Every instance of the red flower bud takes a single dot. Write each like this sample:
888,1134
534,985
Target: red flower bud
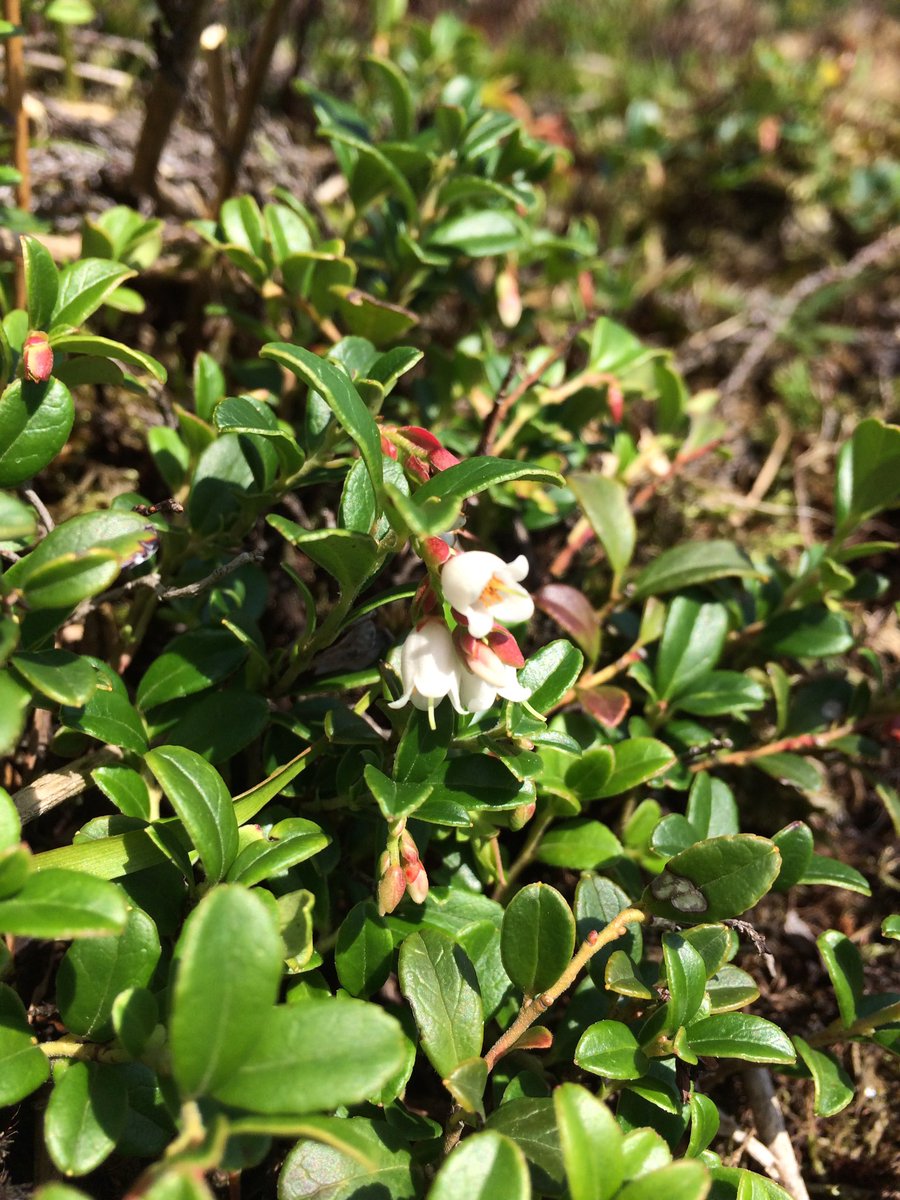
420,437
388,447
435,551
416,467
442,459
505,646
409,851
37,357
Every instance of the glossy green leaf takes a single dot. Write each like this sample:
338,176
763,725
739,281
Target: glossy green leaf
350,557
290,842
704,1124
94,971
814,632
550,673
314,1056
729,988
396,800
604,502
335,387
868,476
590,772
844,966
619,977
83,287
58,904
466,1084
720,693
35,422
643,1150
795,845
685,979
686,1180
61,676
833,1087
23,1066
18,521
692,642
344,1159
199,796
438,980
109,717
610,1049
475,475
714,879
690,564
591,1143
191,663
364,951
637,760
537,938
14,701
125,788
486,1166
478,234
739,1035
103,347
711,808
85,1115
228,964
834,873
41,282
598,901
135,1013
580,845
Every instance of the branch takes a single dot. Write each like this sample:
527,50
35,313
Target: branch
750,361
52,789
770,1126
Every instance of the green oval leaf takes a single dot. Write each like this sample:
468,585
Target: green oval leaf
315,1056
364,950
23,1065
41,281
714,880
197,792
739,1035
591,1142
636,760
537,938
604,502
610,1049
228,967
83,286
59,904
85,1115
438,980
487,1166
35,422
690,564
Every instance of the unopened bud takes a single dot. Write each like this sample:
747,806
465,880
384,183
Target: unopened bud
519,817
388,447
435,551
505,646
37,357
391,887
616,402
409,851
442,459
417,886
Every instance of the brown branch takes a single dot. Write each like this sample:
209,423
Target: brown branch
505,403
770,1126
37,798
249,98
15,97
787,745
751,360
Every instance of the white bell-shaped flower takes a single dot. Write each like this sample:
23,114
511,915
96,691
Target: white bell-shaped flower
484,589
429,668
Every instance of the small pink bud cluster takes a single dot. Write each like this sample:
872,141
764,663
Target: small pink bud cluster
399,878
37,357
420,452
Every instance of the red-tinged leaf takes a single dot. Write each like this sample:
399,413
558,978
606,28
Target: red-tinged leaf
535,1038
609,705
573,612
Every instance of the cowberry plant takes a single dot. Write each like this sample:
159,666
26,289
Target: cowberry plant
404,832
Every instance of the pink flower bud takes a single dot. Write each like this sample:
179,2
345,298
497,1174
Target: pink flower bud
416,883
505,646
616,402
409,851
416,467
37,357
391,888
388,447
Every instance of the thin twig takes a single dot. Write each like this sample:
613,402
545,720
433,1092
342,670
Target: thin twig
501,410
154,583
15,96
771,1128
40,508
527,853
489,430
779,317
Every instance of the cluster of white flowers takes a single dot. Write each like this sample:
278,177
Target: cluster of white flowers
477,662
